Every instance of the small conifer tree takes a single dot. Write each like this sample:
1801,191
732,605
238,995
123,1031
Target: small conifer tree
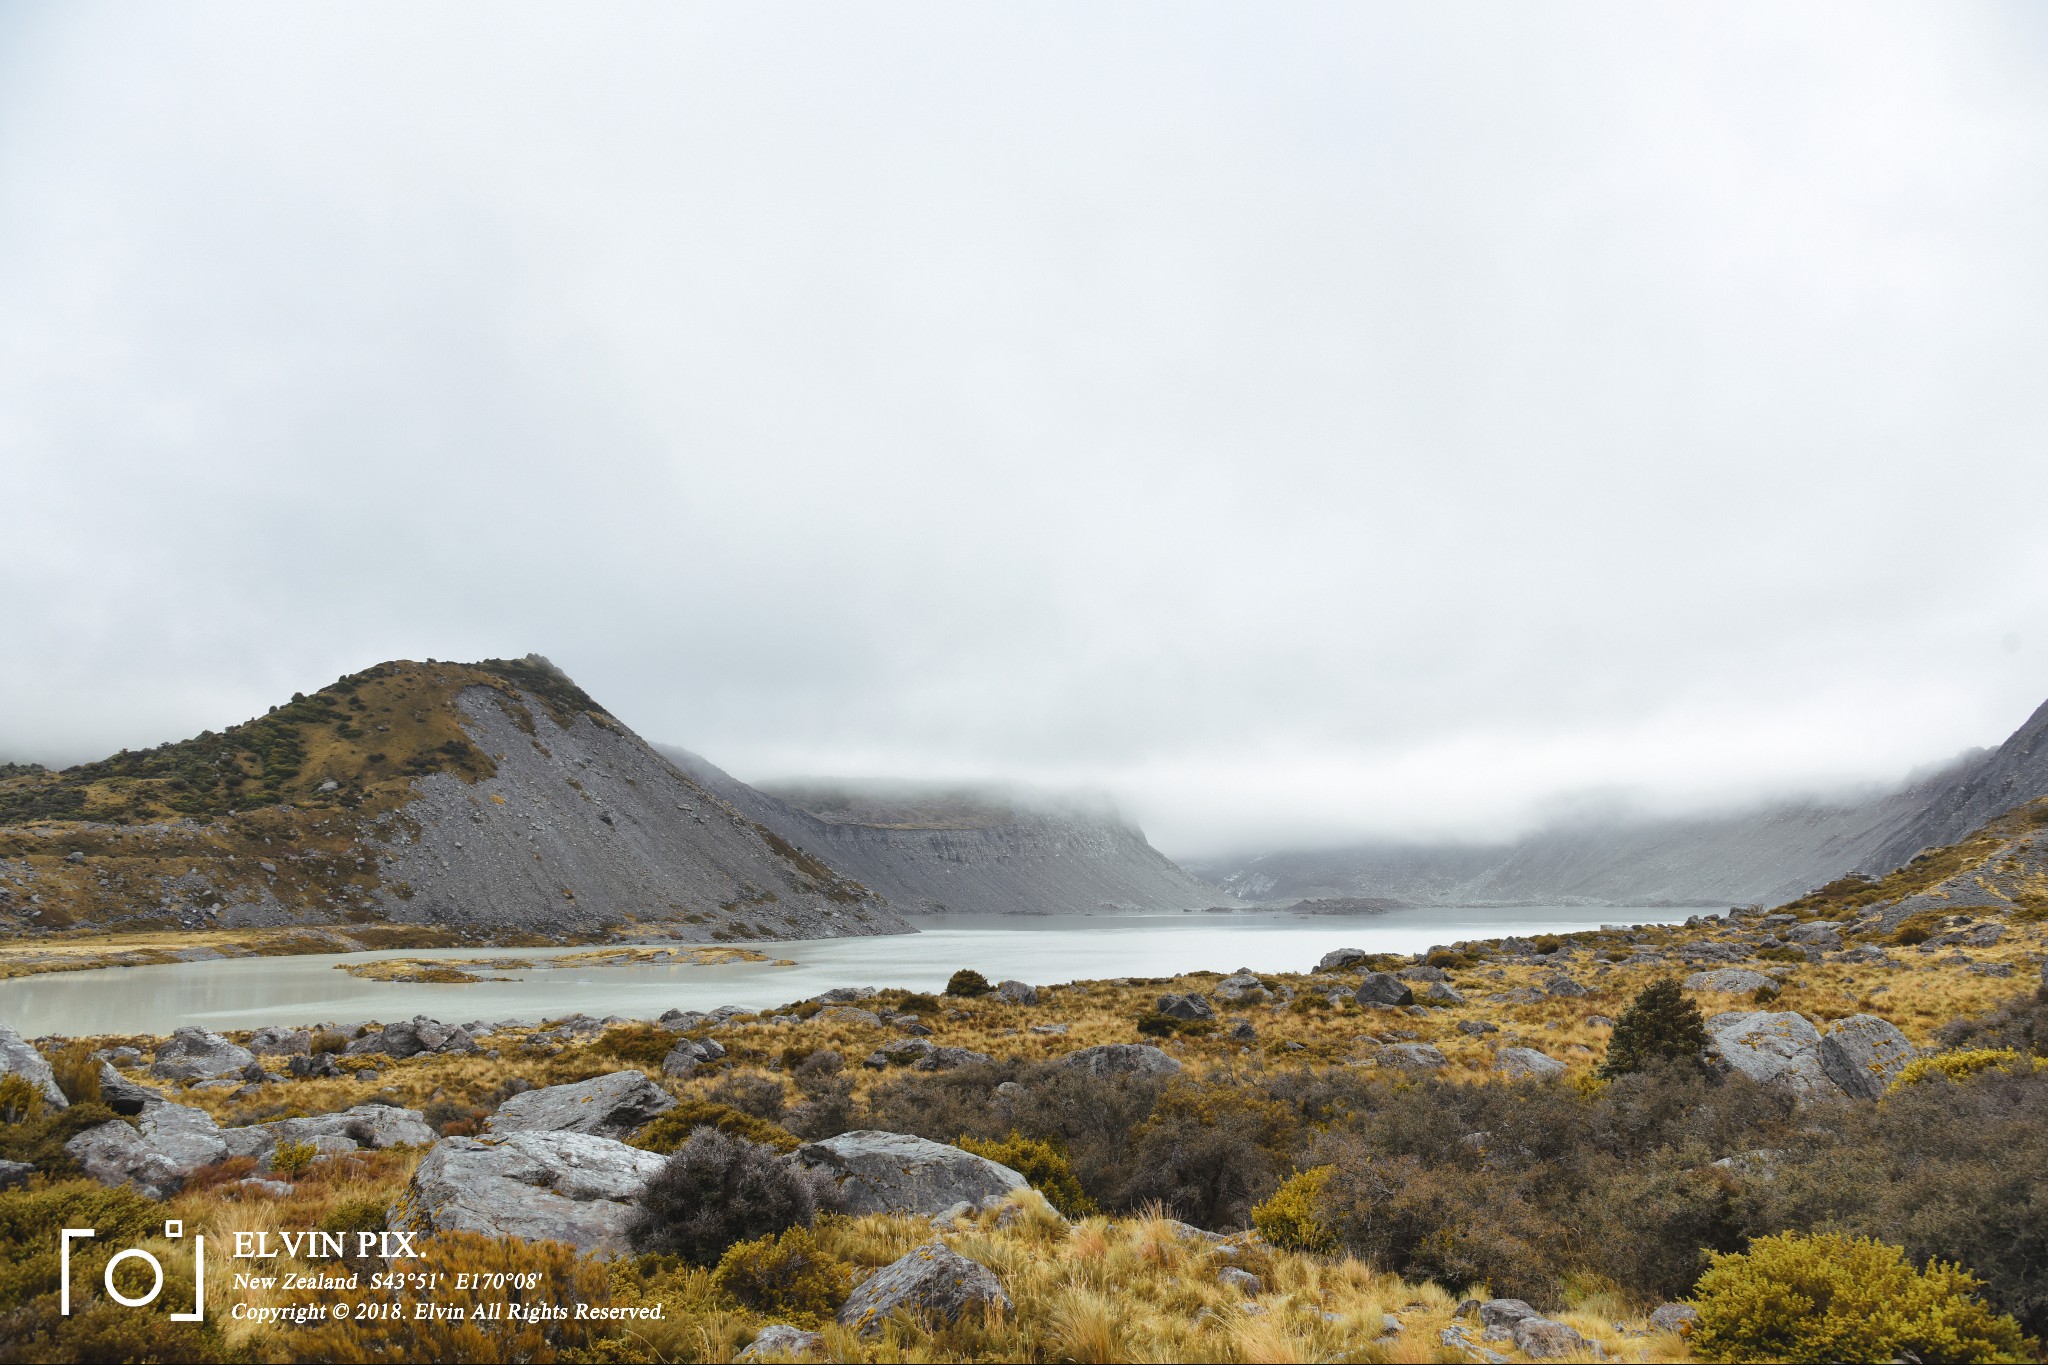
1659,1025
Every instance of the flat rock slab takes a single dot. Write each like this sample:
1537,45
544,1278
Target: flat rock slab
155,1154
195,1055
19,1058
367,1125
1728,981
610,1106
1120,1059
1780,1049
878,1172
932,1281
1864,1054
1410,1056
541,1186
780,1341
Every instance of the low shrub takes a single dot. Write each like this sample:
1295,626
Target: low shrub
329,1040
1450,959
1828,1297
787,1277
20,1098
1288,1219
644,1045
289,1159
1917,928
967,983
669,1132
1782,954
717,1190
751,1092
77,1071
1042,1164
1961,1065
1153,1024
40,1138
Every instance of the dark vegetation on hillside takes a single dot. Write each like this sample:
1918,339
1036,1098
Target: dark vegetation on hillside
1536,1188
343,733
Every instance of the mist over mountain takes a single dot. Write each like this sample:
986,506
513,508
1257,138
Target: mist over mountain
978,850
1767,855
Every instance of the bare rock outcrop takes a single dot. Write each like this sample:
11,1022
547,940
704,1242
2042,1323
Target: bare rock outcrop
611,1106
541,1186
877,1172
932,1281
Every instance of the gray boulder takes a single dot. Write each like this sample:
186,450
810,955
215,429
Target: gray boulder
1864,1055
1383,990
1242,988
1728,981
1780,1049
1818,934
1562,987
1120,1059
1542,1339
18,1058
932,1282
1410,1056
947,1058
611,1106
165,1145
1015,993
903,1051
838,995
877,1172
1442,993
274,1041
1337,959
411,1037
1241,1031
1681,1318
1190,1006
1423,973
376,1126
15,1174
1498,1317
780,1341
540,1186
1477,1026
193,1054
1243,1281
124,1096
1519,1062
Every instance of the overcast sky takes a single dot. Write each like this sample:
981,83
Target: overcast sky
1298,422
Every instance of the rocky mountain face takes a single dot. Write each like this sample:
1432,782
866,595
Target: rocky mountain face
931,852
495,801
1759,857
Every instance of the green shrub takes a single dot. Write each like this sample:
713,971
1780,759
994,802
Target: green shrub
289,1159
1960,1065
76,1071
40,1140
20,1099
1449,959
1288,1219
1917,928
788,1277
645,1045
1827,1297
1782,954
1547,943
967,983
1041,1163
1659,1025
673,1128
1155,1025
329,1040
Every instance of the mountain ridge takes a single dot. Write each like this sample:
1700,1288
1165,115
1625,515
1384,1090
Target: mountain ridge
496,801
